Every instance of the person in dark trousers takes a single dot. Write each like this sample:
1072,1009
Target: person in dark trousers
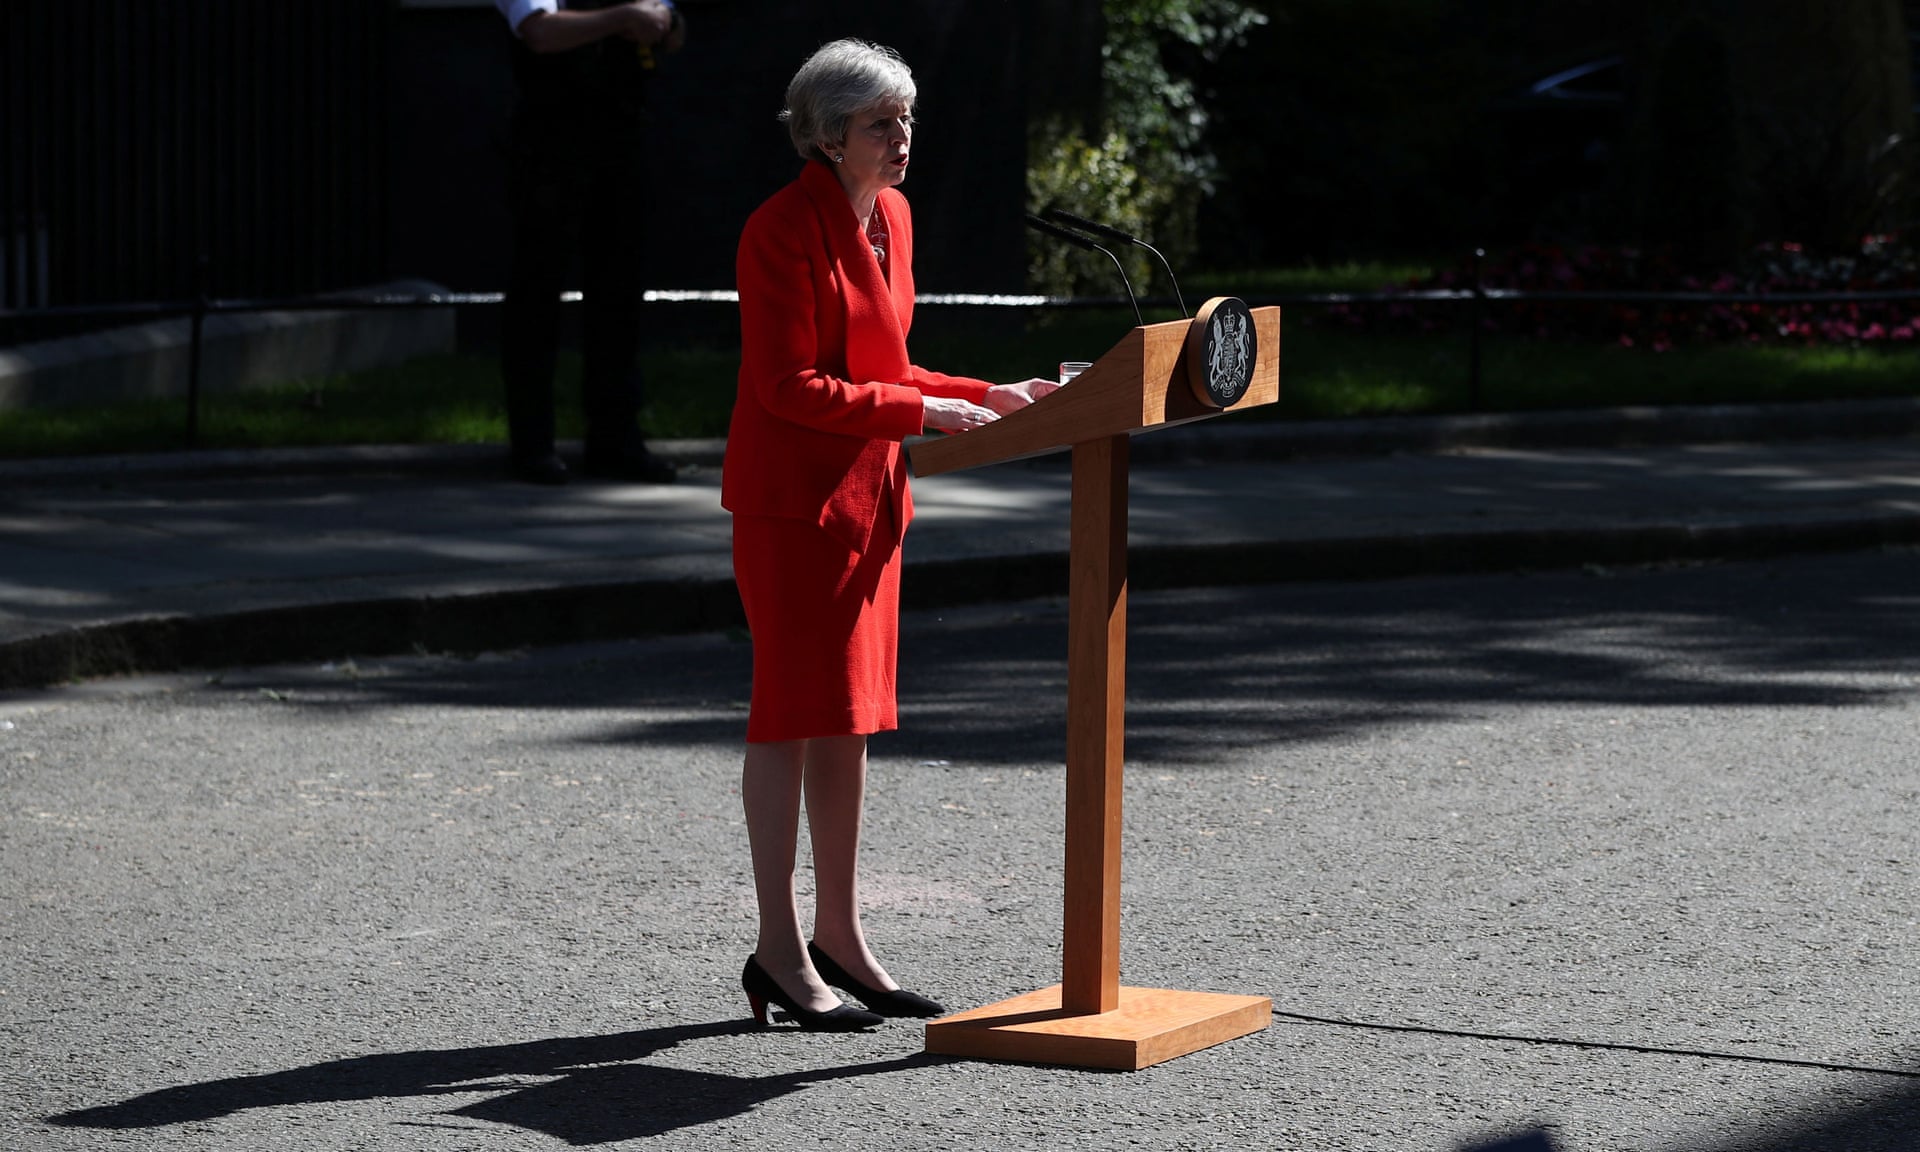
577,183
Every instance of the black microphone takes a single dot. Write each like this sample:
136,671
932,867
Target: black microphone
1120,237
1074,238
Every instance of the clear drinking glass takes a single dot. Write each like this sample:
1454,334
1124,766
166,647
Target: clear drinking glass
1071,368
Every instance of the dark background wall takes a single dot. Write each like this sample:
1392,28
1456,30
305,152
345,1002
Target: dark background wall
1411,129
138,137
306,146
718,150
312,145
1368,128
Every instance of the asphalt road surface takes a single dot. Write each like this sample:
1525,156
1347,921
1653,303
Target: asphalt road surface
1625,859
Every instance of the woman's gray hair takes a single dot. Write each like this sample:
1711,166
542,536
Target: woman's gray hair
836,83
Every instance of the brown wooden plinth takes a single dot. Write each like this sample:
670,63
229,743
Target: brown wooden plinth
1150,1025
1089,1019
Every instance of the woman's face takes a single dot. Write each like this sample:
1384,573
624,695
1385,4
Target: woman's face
876,148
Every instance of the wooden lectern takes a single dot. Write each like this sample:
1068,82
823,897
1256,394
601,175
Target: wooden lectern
1154,377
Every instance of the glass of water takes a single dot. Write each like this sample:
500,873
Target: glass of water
1071,368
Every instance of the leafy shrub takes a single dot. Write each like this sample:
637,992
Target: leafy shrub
1100,182
1151,166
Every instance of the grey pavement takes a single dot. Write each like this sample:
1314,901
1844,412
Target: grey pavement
1624,857
1582,846
208,560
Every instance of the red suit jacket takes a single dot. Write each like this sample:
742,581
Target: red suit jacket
826,391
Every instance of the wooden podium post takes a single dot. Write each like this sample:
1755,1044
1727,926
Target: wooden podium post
1096,724
1148,380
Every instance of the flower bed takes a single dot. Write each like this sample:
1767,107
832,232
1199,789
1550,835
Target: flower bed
1881,265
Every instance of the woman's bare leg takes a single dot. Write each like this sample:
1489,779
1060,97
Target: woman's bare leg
770,789
836,782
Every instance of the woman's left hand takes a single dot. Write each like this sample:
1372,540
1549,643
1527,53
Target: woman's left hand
1005,398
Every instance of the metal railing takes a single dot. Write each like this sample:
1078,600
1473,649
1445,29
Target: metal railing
1477,296
138,135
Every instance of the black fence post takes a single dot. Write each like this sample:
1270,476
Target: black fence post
196,328
1477,317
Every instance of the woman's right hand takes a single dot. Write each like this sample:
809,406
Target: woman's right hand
950,415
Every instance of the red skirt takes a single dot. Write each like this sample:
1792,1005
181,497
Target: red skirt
825,622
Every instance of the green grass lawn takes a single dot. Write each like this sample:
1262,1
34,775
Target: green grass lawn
1327,373
1324,373
453,399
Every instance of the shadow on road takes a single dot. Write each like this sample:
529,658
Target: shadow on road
1220,669
1867,1121
600,1094
1210,671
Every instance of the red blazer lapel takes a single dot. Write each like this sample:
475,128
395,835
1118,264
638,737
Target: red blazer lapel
893,208
876,340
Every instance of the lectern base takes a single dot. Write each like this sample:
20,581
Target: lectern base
1151,1025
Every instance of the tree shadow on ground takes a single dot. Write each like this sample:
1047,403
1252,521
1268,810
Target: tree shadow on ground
1883,1120
600,1094
1873,1119
1216,669
1880,1111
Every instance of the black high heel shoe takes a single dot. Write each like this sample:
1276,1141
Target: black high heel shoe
898,1002
761,988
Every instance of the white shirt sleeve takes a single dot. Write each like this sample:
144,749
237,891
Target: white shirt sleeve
518,10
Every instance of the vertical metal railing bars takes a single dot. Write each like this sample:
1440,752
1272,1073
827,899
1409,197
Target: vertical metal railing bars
138,137
1476,295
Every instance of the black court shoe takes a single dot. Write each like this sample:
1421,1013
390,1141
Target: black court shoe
761,988
898,1002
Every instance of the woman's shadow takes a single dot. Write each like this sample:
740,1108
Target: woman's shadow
601,1095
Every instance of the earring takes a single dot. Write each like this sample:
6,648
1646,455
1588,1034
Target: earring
839,158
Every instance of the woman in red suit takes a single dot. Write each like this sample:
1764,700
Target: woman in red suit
817,484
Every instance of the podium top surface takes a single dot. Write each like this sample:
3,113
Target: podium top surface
1140,384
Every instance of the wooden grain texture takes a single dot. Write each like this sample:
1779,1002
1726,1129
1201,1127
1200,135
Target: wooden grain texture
1139,385
1147,1027
1090,1019
1096,723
